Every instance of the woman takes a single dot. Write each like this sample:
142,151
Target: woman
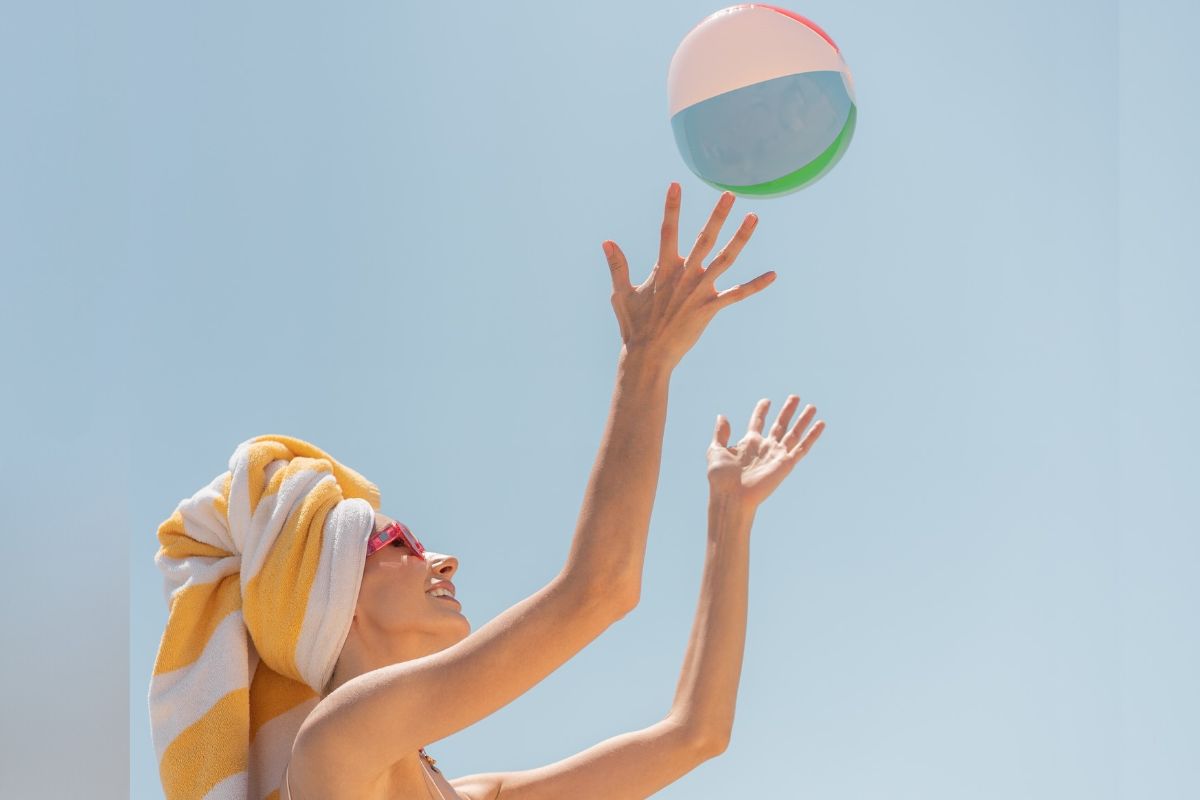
363,740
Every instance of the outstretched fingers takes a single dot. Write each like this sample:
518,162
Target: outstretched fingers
798,446
744,290
785,414
797,430
721,432
618,267
733,249
759,417
708,234
668,248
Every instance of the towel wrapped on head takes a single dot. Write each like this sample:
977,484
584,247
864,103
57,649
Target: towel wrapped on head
262,569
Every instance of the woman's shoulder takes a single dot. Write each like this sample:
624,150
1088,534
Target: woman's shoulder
311,773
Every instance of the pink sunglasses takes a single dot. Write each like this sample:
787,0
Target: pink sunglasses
397,530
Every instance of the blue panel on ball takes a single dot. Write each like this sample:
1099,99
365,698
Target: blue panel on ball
764,131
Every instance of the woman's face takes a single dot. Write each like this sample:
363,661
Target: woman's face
394,598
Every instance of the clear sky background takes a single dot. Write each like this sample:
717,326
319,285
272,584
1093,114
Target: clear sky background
377,227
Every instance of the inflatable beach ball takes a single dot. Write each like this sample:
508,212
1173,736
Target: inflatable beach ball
761,101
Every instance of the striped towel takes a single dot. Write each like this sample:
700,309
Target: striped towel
262,571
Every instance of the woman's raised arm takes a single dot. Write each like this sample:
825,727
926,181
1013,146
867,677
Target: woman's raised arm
659,320
360,726
637,764
740,478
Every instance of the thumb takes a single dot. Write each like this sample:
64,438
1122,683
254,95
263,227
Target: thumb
721,432
618,267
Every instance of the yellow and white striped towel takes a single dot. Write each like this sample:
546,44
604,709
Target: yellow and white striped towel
262,569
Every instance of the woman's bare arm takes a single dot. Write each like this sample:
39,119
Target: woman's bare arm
706,694
637,764
660,320
363,723
629,766
740,479
609,547
358,727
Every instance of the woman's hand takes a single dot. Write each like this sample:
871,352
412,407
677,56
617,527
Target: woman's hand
664,316
750,470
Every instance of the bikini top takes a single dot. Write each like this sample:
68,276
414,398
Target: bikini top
424,772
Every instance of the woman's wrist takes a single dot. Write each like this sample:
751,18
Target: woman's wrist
730,506
729,515
644,363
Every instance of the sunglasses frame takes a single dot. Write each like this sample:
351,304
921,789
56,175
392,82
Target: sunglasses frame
397,530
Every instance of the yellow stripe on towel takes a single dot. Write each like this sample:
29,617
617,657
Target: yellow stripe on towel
191,767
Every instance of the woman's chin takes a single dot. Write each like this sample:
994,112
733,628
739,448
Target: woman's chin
450,602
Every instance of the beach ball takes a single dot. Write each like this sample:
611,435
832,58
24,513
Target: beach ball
761,101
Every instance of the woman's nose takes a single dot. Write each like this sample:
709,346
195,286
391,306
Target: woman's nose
443,565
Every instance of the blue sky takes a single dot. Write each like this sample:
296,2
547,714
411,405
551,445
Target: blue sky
378,228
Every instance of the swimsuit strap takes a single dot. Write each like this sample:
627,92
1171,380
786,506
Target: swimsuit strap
429,780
